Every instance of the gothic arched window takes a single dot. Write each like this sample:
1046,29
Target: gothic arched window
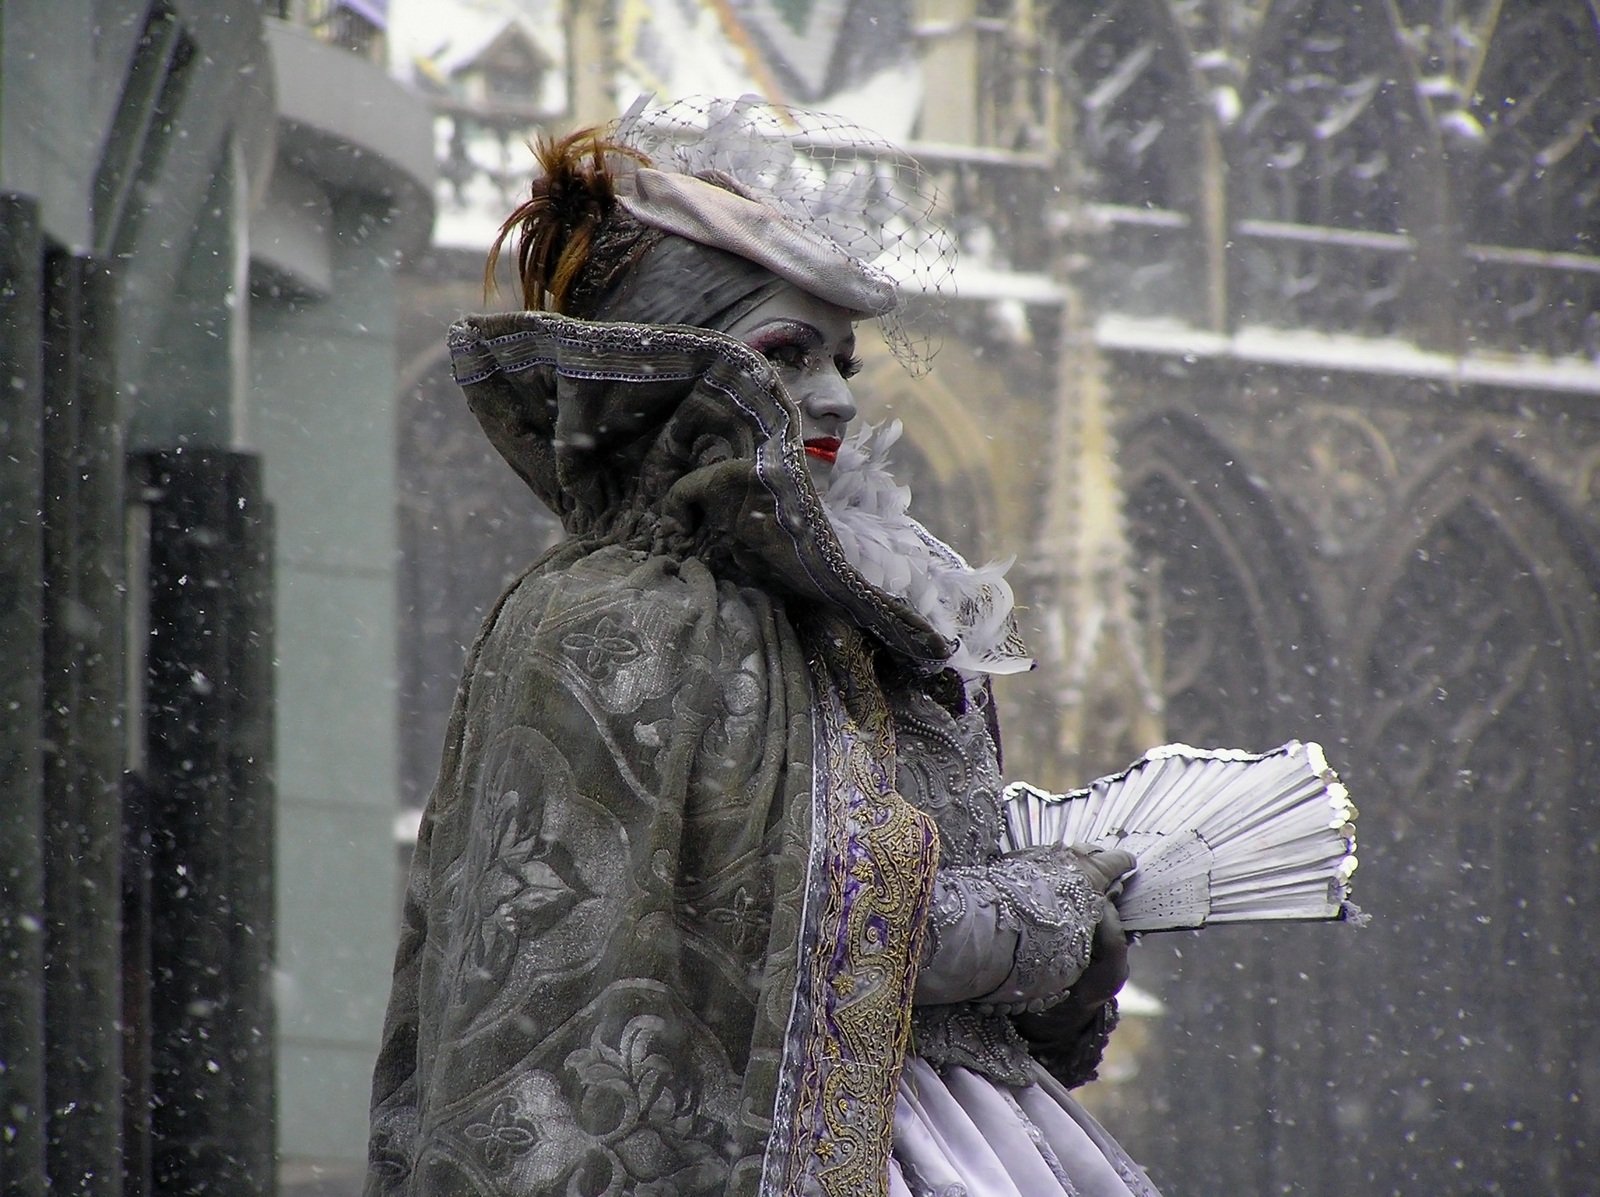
1225,581
1535,182
1143,133
1323,152
1529,178
1478,723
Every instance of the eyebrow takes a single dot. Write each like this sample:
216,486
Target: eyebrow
764,334
770,332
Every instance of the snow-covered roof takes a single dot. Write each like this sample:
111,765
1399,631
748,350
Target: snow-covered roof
677,50
1343,353
673,49
887,102
803,37
446,35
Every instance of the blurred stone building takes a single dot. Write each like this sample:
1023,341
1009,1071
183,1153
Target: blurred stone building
1275,361
1347,283
200,208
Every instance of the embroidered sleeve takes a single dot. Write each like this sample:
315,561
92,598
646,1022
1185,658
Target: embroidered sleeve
1011,935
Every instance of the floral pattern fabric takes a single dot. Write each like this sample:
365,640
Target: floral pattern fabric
663,921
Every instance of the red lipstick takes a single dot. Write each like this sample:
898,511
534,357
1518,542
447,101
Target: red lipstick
823,448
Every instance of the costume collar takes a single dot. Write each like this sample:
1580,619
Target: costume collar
676,440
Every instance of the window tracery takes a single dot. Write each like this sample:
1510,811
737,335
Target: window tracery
1223,577
1142,132
1471,657
1322,124
1428,171
1531,186
1535,182
1467,622
1322,219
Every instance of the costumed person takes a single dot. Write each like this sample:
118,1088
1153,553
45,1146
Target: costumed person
707,898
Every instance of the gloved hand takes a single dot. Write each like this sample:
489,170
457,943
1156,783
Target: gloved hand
1015,934
1066,1022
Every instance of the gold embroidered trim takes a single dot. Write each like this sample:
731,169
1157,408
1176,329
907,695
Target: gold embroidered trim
875,895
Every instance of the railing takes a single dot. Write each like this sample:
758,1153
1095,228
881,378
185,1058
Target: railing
483,152
1509,300
1323,278
1005,212
1145,262
1529,301
997,201
485,165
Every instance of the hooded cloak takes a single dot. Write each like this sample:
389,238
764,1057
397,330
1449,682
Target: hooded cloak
663,922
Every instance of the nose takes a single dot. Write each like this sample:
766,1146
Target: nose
827,398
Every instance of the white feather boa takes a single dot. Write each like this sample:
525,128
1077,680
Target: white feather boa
869,513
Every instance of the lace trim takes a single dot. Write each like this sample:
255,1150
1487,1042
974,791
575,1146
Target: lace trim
946,766
868,510
986,1043
1039,895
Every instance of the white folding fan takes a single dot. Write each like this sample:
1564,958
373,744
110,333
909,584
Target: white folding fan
1220,836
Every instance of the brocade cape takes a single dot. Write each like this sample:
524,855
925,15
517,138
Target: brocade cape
662,925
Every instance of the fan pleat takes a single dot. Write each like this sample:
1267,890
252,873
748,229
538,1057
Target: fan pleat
1220,835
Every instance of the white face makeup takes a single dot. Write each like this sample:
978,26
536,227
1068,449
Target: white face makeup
812,344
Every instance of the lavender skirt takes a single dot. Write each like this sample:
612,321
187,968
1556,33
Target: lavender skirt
959,1134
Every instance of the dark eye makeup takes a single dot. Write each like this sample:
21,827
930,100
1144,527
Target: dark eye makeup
793,344
789,354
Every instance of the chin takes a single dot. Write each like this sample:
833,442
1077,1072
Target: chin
821,471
